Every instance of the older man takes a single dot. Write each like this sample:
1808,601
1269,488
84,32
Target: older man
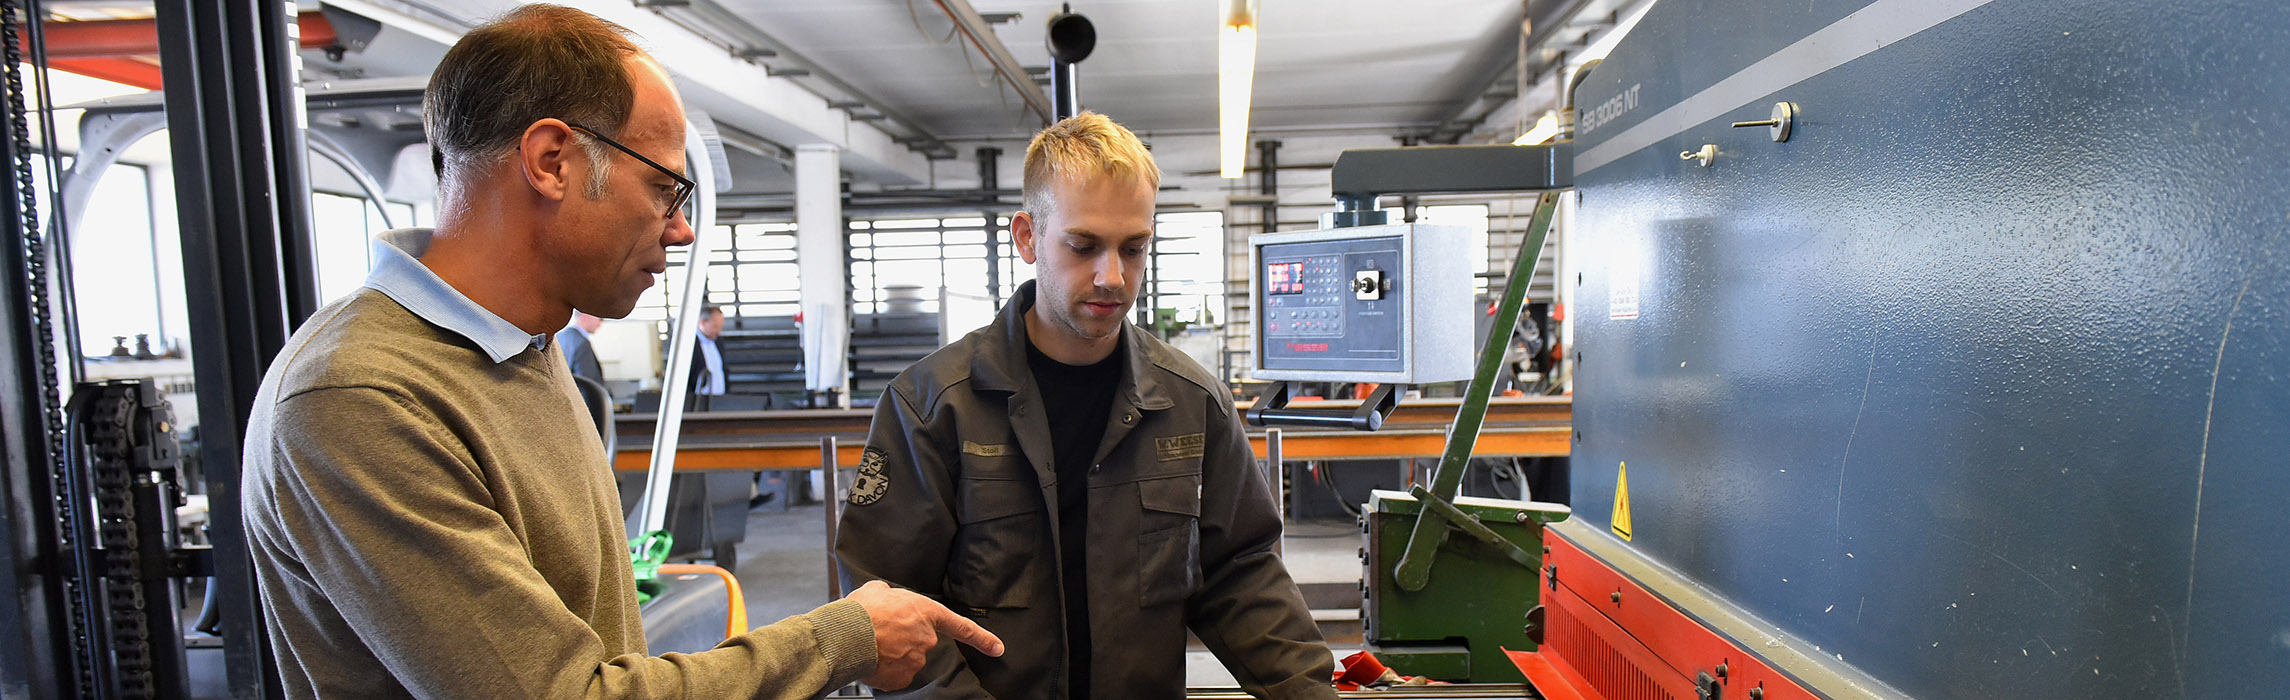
430,511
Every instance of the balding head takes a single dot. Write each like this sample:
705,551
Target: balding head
536,62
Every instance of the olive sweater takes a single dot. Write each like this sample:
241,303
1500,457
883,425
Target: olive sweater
429,522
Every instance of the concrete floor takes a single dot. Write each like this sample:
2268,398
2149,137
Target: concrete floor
782,571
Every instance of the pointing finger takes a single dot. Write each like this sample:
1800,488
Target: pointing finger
967,632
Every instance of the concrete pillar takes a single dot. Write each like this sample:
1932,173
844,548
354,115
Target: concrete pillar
826,275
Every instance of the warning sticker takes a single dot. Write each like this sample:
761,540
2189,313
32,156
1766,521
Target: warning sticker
1620,522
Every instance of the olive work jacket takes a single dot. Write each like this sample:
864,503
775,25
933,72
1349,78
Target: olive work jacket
955,499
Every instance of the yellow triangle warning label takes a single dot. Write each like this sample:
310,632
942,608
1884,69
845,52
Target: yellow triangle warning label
1620,523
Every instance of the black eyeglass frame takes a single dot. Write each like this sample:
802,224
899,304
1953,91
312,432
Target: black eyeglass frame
684,185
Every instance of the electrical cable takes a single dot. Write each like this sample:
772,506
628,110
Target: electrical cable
1327,478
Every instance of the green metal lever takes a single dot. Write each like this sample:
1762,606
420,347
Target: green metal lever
646,554
1477,529
1414,569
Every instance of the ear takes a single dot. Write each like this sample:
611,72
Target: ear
1022,233
544,153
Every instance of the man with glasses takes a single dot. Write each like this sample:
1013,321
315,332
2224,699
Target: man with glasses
430,512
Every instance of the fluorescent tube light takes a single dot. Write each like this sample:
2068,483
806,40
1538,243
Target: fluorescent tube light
1236,75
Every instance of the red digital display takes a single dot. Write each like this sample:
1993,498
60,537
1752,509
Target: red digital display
1284,278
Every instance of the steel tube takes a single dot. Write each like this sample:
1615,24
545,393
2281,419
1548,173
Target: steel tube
832,492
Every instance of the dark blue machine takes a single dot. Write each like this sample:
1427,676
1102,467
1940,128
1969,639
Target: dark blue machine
1981,380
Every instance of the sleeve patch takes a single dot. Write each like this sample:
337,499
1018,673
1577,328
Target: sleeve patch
873,480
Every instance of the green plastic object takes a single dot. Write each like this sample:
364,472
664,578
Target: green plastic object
1430,530
1456,628
646,554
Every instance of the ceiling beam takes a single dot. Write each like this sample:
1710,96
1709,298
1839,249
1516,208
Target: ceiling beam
981,34
731,89
1544,20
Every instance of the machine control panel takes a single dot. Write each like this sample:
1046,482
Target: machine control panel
1374,303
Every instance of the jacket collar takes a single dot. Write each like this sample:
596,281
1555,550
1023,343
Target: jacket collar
1000,363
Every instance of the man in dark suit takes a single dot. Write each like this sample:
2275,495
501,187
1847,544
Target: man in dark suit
707,358
580,351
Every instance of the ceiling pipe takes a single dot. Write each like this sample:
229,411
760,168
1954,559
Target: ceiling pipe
1070,39
975,29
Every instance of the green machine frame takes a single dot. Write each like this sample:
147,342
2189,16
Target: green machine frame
1454,626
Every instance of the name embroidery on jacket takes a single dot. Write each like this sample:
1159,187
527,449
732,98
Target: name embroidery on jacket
972,448
1176,447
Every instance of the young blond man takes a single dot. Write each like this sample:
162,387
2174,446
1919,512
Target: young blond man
1073,484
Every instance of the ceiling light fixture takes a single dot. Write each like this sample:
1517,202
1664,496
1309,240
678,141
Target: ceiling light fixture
1236,74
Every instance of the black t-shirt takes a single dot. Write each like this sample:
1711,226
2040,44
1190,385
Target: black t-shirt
1077,400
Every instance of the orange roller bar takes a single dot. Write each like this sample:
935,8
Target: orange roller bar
115,38
1531,442
123,70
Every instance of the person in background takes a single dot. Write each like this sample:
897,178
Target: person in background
707,357
429,512
578,342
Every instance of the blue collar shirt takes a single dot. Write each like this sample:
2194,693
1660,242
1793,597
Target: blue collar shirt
399,274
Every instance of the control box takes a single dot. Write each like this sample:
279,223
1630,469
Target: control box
1389,304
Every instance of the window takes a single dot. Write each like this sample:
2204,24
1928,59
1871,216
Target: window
755,275
342,229
115,281
1188,267
902,264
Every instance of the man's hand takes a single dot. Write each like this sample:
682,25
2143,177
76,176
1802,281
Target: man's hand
907,628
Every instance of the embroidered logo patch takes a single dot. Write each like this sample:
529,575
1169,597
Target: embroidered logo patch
972,448
873,482
1176,447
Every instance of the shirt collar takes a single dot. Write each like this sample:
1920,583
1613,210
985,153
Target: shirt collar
398,273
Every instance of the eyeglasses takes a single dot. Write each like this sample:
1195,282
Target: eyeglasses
684,185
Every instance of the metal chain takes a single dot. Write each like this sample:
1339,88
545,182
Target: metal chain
43,324
109,434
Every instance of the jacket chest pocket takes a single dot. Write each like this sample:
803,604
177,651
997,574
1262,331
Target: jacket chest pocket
996,562
1169,543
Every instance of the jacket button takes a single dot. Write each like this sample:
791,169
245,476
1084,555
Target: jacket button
1095,468
1128,419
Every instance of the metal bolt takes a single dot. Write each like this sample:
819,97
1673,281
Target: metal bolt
1721,670
1784,114
1616,597
1757,694
1520,516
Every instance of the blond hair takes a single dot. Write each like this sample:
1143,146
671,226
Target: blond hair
1083,144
